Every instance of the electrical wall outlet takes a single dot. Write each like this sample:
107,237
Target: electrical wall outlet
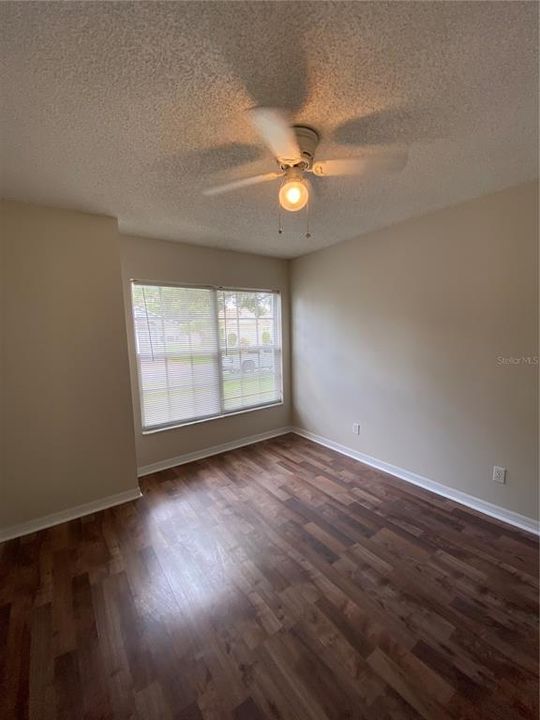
499,474
356,428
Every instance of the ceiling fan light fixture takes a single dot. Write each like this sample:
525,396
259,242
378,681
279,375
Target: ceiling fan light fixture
294,193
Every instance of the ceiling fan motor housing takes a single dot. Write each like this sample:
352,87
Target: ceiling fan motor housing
308,140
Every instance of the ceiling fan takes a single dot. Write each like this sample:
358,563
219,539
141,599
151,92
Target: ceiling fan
293,147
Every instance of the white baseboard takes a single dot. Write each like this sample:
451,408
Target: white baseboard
68,514
208,452
512,518
508,516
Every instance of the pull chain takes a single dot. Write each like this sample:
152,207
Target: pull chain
308,234
280,226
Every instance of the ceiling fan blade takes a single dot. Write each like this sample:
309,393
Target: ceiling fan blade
243,182
274,128
367,164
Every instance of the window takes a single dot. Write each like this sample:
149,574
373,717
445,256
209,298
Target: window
205,352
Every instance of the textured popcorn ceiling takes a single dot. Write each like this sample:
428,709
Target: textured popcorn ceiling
130,109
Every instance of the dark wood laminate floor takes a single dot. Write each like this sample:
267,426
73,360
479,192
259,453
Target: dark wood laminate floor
279,581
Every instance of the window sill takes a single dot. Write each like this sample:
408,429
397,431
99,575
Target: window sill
152,431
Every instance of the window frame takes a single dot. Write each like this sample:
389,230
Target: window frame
225,413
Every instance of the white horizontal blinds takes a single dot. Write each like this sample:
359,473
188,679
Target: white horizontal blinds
203,352
177,352
250,342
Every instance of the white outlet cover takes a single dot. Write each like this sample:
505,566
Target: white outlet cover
356,428
499,474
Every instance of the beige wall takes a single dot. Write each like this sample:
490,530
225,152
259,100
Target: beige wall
401,330
159,260
66,416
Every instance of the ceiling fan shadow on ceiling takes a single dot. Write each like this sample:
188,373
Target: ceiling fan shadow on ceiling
294,147
406,124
